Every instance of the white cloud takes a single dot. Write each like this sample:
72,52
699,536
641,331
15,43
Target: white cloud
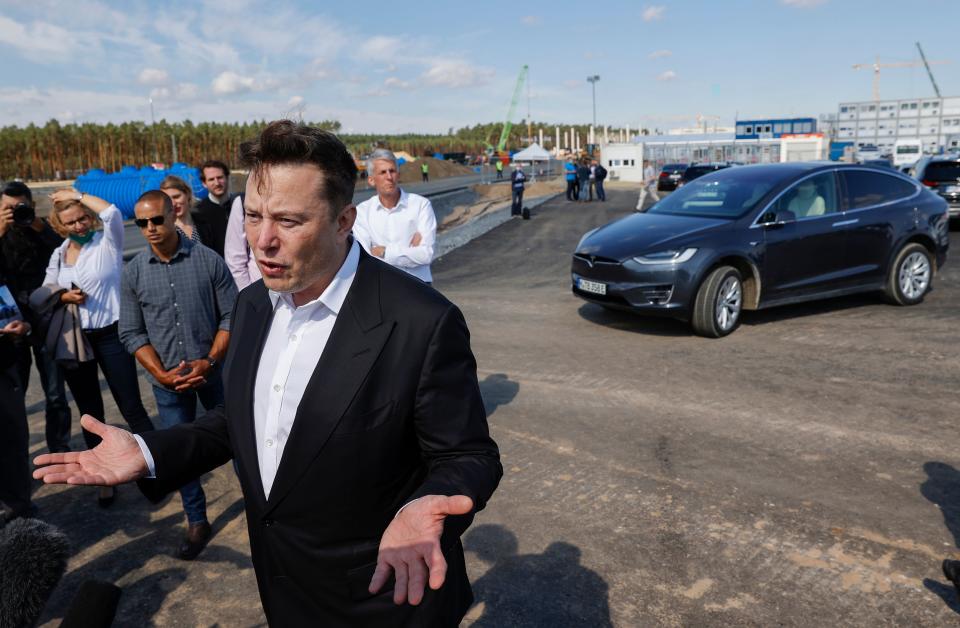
669,75
456,73
295,101
396,83
379,48
153,76
41,41
232,83
183,92
654,12
531,20
803,4
659,54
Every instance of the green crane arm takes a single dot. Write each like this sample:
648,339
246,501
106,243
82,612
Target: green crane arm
936,89
513,105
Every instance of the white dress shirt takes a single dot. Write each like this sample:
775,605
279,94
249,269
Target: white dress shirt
236,252
295,342
97,271
394,228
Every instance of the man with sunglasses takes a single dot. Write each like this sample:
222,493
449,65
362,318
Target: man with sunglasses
175,305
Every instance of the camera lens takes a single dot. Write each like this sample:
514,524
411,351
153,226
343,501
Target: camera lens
23,214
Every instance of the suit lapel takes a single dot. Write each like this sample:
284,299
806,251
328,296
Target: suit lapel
249,339
358,336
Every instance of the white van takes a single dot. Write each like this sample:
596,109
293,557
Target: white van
906,152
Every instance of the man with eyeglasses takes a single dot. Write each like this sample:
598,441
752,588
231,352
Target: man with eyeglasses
175,305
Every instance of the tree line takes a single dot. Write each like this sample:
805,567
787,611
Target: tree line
63,151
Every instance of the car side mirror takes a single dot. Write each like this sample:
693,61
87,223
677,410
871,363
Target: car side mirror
777,219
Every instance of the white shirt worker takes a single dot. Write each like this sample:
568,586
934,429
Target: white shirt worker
394,230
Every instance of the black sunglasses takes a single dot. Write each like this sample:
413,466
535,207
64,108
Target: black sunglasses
142,222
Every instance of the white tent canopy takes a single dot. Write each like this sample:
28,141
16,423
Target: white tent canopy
532,153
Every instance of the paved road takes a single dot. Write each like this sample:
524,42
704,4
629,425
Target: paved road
801,472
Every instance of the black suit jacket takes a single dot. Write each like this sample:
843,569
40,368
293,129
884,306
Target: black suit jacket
214,218
391,413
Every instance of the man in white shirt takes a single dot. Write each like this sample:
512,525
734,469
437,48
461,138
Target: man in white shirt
236,251
398,227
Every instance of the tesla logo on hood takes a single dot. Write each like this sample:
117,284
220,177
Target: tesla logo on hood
590,260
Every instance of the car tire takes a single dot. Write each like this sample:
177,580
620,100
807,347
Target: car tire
718,304
910,276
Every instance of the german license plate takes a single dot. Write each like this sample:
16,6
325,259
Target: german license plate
592,286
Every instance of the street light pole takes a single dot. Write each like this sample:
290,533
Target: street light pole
593,83
153,128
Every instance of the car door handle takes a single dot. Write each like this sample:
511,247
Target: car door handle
844,223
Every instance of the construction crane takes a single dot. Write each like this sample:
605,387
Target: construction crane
923,57
899,64
508,124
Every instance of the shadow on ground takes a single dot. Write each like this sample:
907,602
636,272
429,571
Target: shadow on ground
497,390
524,590
942,487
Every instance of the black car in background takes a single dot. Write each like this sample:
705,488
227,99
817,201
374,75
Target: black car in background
669,177
758,236
695,171
941,173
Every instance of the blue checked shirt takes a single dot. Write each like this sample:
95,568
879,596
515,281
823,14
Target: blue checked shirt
176,306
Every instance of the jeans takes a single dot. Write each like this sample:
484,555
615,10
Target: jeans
14,444
56,408
648,190
119,370
175,408
584,187
517,206
571,189
601,195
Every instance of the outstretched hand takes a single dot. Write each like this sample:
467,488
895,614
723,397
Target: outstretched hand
116,460
410,547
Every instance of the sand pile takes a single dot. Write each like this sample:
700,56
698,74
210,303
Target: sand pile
492,197
439,169
502,191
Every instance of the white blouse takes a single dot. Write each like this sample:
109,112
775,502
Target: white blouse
97,271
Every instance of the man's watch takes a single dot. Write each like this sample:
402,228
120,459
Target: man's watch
211,361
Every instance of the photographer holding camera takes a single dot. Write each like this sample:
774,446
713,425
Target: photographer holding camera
26,244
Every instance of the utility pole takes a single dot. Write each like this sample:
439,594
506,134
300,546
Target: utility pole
593,84
153,128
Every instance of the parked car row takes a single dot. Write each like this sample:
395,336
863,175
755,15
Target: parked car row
941,173
754,237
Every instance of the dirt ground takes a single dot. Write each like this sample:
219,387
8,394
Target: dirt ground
493,197
439,169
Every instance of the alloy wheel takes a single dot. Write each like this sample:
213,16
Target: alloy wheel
914,275
729,302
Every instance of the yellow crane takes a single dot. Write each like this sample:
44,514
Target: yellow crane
876,65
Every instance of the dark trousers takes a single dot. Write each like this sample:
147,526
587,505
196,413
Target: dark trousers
174,408
14,444
517,206
119,370
499,174
56,408
600,193
426,177
571,189
590,190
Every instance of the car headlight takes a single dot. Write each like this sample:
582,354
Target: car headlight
673,256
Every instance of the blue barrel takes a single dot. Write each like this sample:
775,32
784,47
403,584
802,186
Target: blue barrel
123,188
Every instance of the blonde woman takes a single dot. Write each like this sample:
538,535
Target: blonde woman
188,223
88,267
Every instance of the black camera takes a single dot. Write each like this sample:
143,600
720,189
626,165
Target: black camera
24,214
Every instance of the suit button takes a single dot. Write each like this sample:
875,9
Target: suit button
268,522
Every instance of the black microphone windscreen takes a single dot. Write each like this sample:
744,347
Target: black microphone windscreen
94,606
33,558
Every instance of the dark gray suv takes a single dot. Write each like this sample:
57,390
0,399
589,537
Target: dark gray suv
941,173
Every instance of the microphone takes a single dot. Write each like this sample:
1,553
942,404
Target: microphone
94,606
33,558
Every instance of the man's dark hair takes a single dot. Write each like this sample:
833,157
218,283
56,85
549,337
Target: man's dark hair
286,142
213,163
18,189
158,196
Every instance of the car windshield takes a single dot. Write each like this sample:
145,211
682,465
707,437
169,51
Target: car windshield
943,171
728,193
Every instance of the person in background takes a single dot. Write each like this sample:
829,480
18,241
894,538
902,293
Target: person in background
396,226
26,244
583,179
88,267
592,165
498,165
14,431
191,226
570,171
425,170
649,185
600,174
175,305
236,250
214,209
517,179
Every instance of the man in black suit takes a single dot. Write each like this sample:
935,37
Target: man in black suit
214,210
353,412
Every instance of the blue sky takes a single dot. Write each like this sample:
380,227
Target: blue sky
427,66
